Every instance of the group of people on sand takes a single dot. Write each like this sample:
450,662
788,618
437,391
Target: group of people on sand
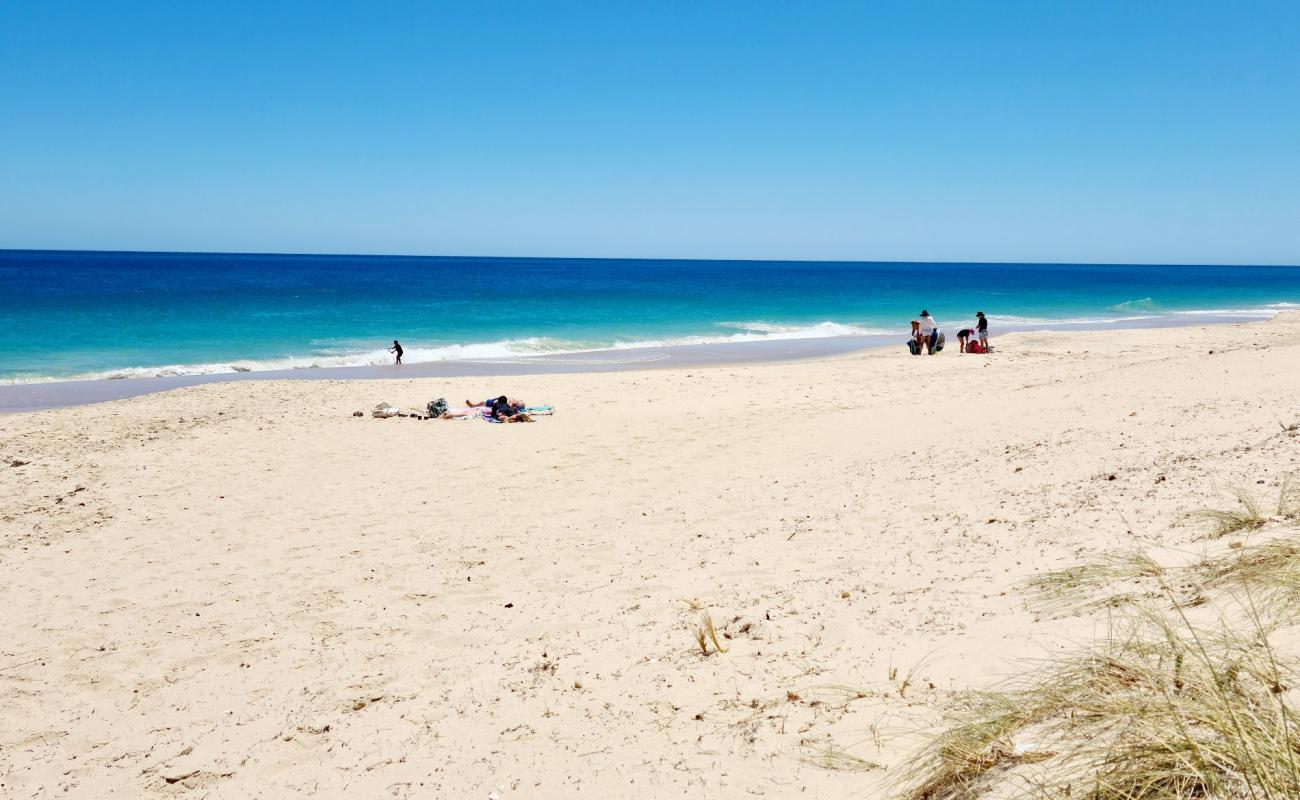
926,335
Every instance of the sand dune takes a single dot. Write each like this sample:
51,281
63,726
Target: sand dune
241,590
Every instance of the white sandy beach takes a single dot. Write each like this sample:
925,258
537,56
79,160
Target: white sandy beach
241,590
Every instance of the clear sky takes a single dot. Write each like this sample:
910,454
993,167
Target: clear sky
1087,131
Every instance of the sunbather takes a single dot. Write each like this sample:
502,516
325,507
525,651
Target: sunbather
462,413
509,412
492,401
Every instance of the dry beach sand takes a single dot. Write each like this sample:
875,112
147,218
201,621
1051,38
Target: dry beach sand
241,590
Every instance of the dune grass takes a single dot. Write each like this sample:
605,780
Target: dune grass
1187,698
1250,511
832,758
1094,584
1166,710
1248,514
1271,568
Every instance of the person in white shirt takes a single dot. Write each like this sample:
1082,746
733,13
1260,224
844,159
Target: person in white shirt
929,332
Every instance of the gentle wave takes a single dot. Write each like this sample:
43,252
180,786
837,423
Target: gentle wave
1252,313
778,330
1261,312
506,350
1011,320
1141,304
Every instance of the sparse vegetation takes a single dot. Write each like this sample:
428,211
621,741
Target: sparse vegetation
1250,512
706,624
1188,698
1269,570
1078,587
705,632
1221,522
1165,711
830,757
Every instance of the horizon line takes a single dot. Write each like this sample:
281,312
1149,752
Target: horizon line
641,258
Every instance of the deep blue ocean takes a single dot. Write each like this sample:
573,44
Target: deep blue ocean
89,314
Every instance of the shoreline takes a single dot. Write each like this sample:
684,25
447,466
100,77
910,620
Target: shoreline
54,394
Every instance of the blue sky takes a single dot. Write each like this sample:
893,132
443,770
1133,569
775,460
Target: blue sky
1023,131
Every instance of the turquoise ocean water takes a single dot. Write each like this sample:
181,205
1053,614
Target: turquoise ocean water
103,315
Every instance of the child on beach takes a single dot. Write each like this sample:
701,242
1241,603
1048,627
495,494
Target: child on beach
396,348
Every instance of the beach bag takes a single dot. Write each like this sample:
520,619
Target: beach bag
975,347
384,411
914,346
938,342
437,407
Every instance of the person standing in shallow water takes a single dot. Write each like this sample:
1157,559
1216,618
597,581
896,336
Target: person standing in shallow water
396,348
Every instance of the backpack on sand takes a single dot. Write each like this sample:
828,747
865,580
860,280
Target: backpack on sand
437,407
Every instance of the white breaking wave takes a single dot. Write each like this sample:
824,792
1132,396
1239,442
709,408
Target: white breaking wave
777,330
499,351
1261,312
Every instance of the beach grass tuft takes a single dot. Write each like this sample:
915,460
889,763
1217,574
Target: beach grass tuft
1248,514
830,757
1165,710
1187,697
1267,571
706,624
1091,584
705,632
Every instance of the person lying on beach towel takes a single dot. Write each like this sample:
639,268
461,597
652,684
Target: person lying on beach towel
492,401
461,413
508,412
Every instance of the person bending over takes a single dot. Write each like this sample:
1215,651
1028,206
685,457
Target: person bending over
929,332
396,348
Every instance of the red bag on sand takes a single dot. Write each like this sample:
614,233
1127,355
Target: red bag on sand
975,347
